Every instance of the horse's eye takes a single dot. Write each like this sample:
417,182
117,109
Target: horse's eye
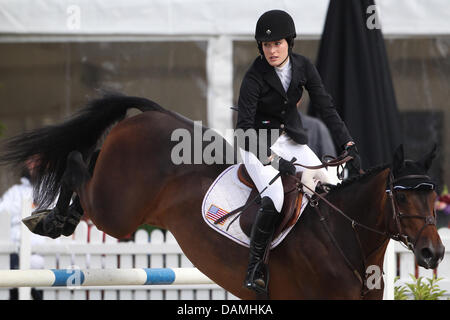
401,198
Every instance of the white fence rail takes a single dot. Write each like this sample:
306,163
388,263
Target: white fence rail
400,262
91,248
157,250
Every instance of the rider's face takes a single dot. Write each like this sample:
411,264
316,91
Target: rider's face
275,52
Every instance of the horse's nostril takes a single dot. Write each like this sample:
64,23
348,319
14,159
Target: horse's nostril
426,253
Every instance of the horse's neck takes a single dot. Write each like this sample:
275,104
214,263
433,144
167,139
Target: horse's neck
368,206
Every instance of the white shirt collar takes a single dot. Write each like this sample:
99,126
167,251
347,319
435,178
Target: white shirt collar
285,75
287,66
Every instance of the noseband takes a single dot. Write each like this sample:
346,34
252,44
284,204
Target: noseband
429,220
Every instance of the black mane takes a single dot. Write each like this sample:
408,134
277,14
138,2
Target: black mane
350,181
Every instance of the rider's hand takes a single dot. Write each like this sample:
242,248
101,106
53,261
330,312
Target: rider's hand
353,166
286,168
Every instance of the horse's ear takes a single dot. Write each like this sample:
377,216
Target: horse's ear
428,159
399,157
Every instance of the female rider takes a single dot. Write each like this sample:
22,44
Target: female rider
268,100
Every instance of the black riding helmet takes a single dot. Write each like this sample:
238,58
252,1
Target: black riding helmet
275,25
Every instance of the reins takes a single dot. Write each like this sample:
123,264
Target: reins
335,162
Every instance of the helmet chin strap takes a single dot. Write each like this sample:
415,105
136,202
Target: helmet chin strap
283,61
291,44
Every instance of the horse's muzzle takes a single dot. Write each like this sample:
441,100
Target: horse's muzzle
429,256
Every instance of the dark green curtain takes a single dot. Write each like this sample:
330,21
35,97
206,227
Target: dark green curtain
353,64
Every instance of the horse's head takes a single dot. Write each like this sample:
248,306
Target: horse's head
413,196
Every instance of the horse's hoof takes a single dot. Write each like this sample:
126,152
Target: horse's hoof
34,222
46,223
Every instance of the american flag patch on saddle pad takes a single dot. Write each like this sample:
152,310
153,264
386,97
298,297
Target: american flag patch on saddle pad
215,213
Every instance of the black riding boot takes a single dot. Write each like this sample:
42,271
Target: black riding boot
262,231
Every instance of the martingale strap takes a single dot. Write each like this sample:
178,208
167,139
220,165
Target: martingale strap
336,244
361,278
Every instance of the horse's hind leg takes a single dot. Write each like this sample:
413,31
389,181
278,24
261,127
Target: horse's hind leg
50,223
63,219
76,175
75,210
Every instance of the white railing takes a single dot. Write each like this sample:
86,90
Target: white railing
400,262
157,250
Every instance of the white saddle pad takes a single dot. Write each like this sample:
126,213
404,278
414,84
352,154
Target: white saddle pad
226,194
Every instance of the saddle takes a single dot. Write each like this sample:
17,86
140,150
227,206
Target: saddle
291,205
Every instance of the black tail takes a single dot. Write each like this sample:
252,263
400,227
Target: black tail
50,145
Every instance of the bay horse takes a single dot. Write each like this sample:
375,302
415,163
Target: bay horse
131,180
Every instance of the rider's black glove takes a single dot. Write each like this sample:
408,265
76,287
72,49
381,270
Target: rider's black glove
286,168
353,166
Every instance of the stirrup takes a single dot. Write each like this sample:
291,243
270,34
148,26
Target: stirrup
261,284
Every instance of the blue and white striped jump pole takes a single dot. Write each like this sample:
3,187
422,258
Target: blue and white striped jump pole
100,277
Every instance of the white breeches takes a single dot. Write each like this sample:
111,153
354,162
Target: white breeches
286,148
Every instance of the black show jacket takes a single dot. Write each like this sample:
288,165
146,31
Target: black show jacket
263,103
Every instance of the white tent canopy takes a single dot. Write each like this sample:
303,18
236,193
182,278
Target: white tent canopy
202,17
218,22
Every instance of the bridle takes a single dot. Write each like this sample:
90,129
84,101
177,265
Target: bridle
397,216
429,220
396,213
